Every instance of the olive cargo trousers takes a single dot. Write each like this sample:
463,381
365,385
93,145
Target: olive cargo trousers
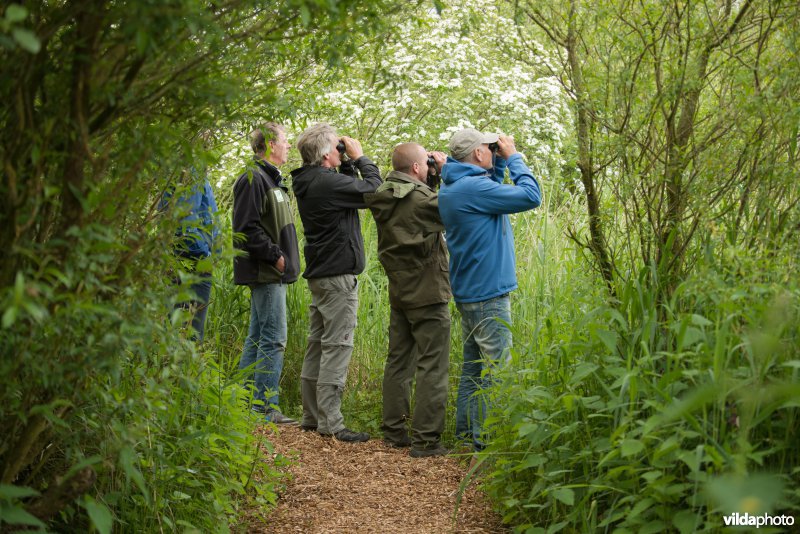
419,344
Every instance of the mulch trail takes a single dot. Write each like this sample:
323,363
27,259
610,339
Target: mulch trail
370,487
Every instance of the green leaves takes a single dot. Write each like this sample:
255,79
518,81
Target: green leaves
26,39
16,515
630,447
632,434
756,493
9,492
11,512
23,37
22,303
99,514
15,13
564,495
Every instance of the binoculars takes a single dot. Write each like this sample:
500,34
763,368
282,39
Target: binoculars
340,147
493,147
434,177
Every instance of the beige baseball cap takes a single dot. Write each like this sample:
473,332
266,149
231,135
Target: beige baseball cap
465,141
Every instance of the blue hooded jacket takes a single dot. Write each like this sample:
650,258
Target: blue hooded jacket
474,204
198,229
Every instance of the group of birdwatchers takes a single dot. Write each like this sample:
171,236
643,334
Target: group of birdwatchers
482,181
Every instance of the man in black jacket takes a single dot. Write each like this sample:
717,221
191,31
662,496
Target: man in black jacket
328,202
270,261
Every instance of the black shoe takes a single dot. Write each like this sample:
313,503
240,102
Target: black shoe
346,434
401,443
424,453
308,428
274,416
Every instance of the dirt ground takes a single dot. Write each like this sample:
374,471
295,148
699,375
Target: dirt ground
370,487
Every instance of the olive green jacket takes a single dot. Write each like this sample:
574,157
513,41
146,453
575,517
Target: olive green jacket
411,246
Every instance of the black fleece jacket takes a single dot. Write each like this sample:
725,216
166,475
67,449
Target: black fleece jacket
328,202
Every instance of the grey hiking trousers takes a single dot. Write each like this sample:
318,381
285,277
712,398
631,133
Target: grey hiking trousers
332,322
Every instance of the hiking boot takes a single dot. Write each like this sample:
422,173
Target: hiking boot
431,451
274,416
401,443
346,434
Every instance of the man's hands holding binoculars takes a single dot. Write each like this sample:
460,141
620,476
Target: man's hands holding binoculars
504,147
351,147
436,161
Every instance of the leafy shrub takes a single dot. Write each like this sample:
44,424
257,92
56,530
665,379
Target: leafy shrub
112,415
635,425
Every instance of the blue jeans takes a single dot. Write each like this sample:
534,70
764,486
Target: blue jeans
203,292
198,306
266,342
487,342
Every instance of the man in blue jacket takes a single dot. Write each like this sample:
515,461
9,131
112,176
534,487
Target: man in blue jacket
196,236
199,232
474,203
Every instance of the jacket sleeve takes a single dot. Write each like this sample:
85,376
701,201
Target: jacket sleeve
496,198
215,246
348,191
348,168
248,201
499,174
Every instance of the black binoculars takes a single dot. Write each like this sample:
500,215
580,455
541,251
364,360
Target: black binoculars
434,177
493,147
340,147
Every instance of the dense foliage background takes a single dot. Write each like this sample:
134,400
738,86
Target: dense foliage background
654,384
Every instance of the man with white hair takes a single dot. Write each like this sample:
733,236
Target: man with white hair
328,202
474,203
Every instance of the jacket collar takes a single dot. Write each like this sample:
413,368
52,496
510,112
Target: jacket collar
454,170
403,177
271,170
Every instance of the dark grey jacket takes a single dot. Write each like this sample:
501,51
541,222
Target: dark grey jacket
328,202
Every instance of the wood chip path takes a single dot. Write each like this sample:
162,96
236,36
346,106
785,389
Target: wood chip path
370,487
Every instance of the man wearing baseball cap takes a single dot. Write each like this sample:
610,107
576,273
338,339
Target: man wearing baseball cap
474,203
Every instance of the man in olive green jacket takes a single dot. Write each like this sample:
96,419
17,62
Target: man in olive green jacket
413,253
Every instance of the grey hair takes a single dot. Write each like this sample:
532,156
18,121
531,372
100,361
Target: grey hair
315,142
259,137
